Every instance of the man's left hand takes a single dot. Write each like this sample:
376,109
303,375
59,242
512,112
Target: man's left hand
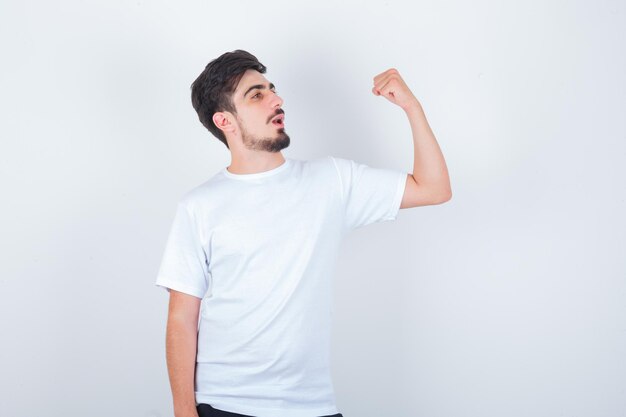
390,85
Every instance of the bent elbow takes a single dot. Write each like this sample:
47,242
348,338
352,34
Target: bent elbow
444,197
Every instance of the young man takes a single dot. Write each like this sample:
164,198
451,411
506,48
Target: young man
250,255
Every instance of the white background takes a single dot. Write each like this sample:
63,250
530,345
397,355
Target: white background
509,300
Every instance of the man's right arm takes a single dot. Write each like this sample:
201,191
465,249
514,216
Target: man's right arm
181,349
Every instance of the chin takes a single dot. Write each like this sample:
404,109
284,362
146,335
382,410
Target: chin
281,142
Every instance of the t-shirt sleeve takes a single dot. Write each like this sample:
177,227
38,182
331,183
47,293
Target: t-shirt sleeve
184,266
369,195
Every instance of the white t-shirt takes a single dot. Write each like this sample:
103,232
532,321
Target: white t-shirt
260,250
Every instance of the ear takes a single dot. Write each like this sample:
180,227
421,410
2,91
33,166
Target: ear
224,121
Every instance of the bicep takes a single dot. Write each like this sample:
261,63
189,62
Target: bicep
416,195
184,307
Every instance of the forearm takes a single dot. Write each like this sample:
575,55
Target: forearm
429,165
181,345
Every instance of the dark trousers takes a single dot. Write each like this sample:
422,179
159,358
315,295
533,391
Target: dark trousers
205,410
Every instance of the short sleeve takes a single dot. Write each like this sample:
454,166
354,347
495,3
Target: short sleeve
369,194
184,266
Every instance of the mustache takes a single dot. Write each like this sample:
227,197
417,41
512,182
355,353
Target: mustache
279,111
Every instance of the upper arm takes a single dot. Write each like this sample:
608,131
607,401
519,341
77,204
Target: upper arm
184,307
420,195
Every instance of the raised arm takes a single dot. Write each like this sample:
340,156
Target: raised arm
181,348
429,183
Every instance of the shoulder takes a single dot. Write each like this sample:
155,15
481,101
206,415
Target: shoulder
345,167
202,195
338,164
312,167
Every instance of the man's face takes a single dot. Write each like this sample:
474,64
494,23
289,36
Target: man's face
257,106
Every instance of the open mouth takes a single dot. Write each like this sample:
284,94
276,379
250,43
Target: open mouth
279,120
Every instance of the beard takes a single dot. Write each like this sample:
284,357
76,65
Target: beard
268,144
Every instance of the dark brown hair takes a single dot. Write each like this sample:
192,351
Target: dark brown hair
212,91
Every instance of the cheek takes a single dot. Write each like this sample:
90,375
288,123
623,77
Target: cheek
249,118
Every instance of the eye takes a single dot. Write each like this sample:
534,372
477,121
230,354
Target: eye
259,94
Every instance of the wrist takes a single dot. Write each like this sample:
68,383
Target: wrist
185,410
414,105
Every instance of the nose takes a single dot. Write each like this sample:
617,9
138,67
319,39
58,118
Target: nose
276,101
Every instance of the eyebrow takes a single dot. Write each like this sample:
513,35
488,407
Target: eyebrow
258,86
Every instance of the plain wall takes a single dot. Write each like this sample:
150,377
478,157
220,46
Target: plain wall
510,299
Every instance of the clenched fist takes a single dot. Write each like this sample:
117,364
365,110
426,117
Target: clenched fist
390,85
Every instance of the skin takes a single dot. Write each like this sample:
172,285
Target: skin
429,183
255,144
180,345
